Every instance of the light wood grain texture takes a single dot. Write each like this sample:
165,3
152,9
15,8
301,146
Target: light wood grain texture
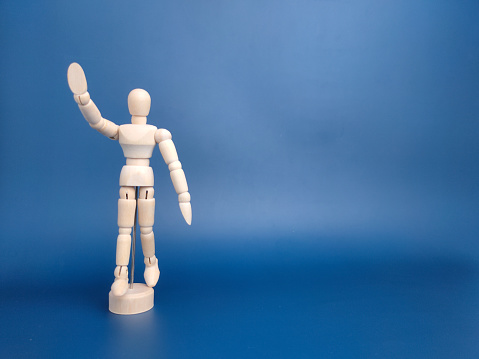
82,99
148,242
137,141
185,209
162,135
139,102
107,128
140,299
76,79
168,151
176,165
179,181
184,197
91,113
137,176
120,285
152,272
178,178
146,212
123,244
126,212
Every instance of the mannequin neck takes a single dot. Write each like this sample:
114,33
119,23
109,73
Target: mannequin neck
138,120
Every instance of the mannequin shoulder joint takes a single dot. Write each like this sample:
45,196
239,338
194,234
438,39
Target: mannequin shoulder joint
162,135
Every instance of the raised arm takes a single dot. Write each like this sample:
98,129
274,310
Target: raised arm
168,151
78,85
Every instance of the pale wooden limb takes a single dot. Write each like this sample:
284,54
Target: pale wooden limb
168,151
146,220
78,85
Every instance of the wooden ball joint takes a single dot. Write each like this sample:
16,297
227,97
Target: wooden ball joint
138,141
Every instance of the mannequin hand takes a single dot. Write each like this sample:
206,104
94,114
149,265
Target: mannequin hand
76,79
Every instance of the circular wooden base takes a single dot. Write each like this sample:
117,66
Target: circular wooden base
137,300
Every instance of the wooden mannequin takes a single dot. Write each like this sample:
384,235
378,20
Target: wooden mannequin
137,141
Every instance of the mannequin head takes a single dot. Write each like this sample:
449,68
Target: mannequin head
139,102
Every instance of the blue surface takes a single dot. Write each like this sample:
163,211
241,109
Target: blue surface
271,300
331,150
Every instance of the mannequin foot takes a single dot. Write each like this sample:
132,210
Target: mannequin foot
120,285
152,272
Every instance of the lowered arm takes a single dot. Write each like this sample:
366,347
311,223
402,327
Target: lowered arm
168,151
78,85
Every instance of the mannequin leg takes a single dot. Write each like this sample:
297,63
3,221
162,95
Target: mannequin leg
126,219
146,219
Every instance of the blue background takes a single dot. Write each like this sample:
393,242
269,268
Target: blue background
331,150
